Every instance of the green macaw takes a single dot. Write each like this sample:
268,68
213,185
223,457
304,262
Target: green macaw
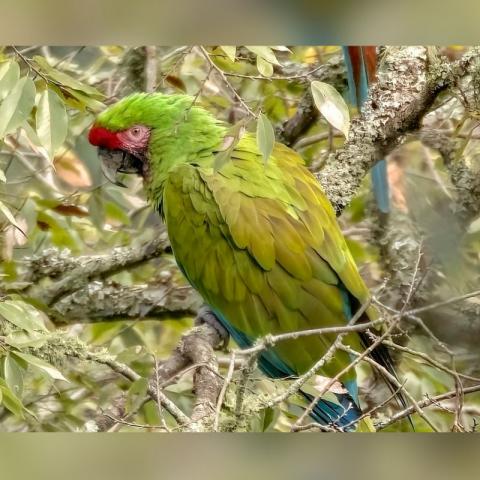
259,240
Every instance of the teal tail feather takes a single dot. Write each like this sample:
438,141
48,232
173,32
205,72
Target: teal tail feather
358,75
342,414
380,186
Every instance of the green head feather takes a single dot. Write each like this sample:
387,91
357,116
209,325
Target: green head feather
181,132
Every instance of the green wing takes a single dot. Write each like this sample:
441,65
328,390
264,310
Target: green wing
262,246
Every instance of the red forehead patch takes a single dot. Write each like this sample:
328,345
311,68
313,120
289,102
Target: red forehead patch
101,137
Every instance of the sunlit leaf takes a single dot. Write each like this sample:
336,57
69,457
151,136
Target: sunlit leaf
17,106
9,75
22,339
81,100
10,401
331,105
13,375
51,121
32,135
6,211
65,80
230,52
42,365
265,136
2,177
265,68
10,217
281,48
74,92
22,314
265,52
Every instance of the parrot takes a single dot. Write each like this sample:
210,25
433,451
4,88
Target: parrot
361,69
258,239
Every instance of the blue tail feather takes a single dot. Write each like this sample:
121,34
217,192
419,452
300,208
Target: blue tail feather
358,94
325,412
380,186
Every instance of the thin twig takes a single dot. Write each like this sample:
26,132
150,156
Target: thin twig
150,68
133,376
442,303
227,83
271,340
415,405
425,403
159,403
337,377
223,391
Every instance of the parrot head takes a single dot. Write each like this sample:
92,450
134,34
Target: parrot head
148,134
121,152
122,138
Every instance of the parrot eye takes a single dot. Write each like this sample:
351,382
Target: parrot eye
135,137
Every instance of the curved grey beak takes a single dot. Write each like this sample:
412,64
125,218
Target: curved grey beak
118,161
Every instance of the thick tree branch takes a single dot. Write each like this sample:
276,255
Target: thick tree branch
197,348
109,301
91,267
464,177
404,92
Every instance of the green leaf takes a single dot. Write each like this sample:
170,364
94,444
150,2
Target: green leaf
64,80
265,68
42,365
331,105
9,75
230,52
6,211
2,176
281,48
13,375
17,106
265,137
136,395
31,133
265,52
51,121
22,315
80,100
22,339
115,212
269,415
10,401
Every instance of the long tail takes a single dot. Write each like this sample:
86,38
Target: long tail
343,413
361,69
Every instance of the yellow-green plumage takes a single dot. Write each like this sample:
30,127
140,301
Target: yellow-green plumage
259,240
264,248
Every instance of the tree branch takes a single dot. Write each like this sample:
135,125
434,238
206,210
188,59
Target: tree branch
91,267
397,102
109,301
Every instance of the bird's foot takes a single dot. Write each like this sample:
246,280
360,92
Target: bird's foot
206,315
